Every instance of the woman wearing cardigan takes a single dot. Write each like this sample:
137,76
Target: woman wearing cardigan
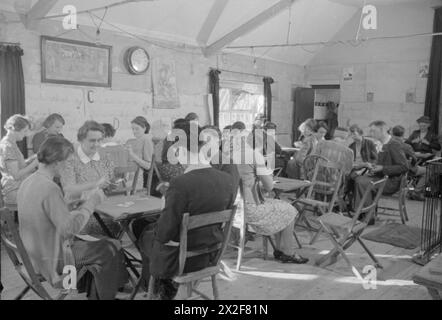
45,222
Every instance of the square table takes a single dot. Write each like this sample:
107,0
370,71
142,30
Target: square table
125,209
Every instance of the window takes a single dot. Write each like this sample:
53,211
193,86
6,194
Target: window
240,102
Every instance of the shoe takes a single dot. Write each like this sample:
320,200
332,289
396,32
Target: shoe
292,259
277,254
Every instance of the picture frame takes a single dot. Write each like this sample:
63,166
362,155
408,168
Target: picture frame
73,62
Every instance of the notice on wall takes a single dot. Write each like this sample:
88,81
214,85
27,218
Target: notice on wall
423,70
165,93
347,74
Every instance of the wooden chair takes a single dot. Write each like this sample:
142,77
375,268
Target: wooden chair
344,231
153,170
22,263
402,201
192,279
326,182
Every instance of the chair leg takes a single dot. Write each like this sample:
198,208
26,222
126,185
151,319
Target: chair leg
22,293
297,240
315,237
136,289
242,240
150,292
189,290
377,264
265,246
215,288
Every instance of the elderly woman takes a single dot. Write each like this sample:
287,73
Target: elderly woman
53,125
141,149
45,222
88,168
13,166
307,146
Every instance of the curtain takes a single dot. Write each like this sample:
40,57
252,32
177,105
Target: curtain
214,90
12,86
432,97
268,97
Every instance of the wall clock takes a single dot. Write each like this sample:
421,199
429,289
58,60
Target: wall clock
137,60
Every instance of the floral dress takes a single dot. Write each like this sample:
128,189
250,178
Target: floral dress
265,217
78,172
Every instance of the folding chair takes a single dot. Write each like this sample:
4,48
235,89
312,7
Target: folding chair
344,231
22,263
326,181
192,279
153,170
402,199
243,227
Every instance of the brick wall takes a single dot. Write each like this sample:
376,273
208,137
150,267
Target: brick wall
131,95
387,68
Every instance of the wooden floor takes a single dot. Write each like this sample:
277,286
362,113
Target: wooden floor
268,279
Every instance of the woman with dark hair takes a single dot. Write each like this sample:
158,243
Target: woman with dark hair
321,130
46,221
141,149
88,168
13,166
192,116
53,125
364,150
109,133
201,189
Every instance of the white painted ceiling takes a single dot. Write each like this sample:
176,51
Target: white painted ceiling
181,21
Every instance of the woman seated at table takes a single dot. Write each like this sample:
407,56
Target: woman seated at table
307,146
270,216
201,189
46,221
53,125
13,166
88,168
141,148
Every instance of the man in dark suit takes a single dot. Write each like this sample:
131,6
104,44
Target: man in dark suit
423,141
201,189
391,162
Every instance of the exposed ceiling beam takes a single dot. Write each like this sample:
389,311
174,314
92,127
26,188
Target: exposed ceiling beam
247,27
211,21
38,11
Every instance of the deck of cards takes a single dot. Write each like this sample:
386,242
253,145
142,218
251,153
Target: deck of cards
126,204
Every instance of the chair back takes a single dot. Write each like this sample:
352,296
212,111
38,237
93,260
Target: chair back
153,170
225,218
326,182
18,255
336,152
370,209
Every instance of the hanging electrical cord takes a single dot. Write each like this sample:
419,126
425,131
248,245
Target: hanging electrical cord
360,22
289,25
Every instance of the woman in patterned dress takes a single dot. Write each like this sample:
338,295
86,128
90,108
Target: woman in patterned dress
88,169
270,216
13,166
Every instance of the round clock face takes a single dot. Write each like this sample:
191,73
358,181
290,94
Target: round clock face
138,60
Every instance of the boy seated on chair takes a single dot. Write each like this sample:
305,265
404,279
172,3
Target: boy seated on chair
391,162
201,189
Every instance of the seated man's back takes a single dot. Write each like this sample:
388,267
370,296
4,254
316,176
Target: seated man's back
198,191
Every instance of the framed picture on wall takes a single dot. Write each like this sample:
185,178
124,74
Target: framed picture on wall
73,62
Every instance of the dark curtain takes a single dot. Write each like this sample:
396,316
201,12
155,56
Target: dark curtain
268,98
12,86
432,98
214,90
